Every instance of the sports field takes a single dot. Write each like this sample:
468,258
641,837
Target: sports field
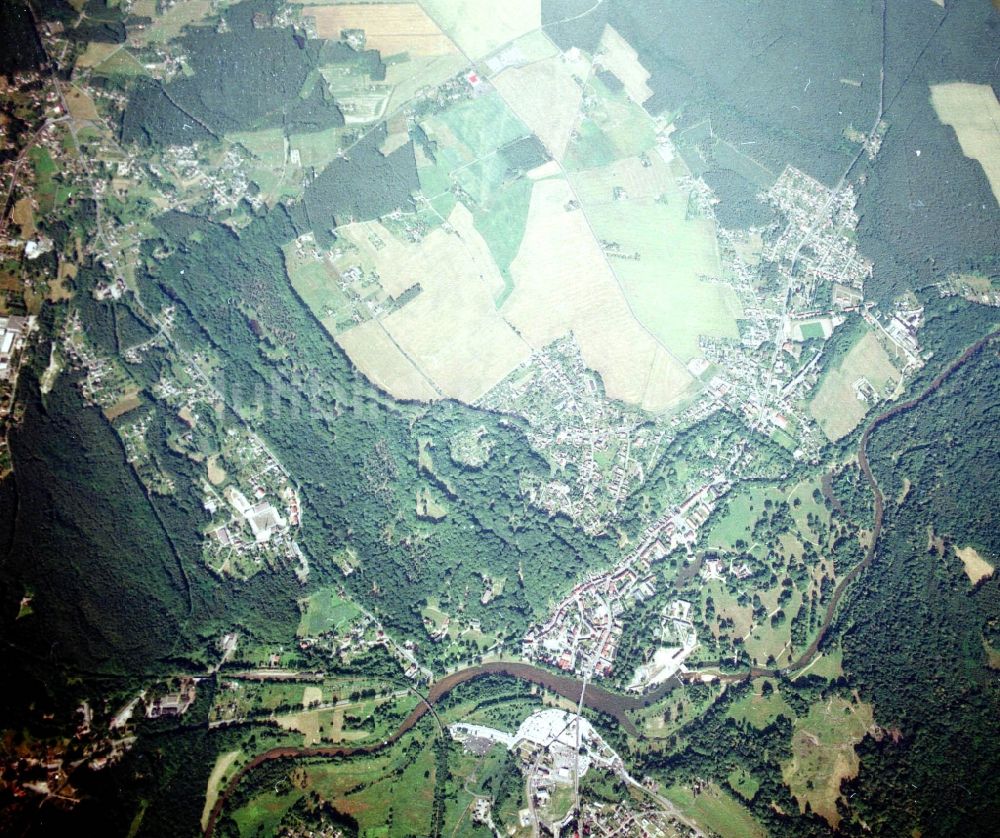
974,112
836,406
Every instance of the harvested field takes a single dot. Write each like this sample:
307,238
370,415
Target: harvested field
24,217
836,406
823,754
391,28
375,354
216,473
311,695
974,112
80,105
130,401
480,26
615,54
222,764
447,341
562,284
547,99
96,53
976,567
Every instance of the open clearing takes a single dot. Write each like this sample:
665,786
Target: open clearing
546,97
480,26
716,810
823,753
976,567
661,257
326,611
80,105
562,284
615,54
974,112
391,28
836,405
450,332
222,765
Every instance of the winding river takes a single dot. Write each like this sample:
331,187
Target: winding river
597,698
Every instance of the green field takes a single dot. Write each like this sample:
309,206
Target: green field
743,783
482,125
823,753
715,809
665,285
736,524
501,223
836,406
326,611
758,709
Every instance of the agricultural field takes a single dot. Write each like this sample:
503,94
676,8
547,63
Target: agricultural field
714,809
823,753
974,112
390,28
618,57
326,611
166,25
450,322
664,259
546,97
562,283
836,405
480,26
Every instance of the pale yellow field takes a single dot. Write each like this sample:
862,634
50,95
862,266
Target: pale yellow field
451,332
835,405
374,353
80,105
545,96
23,216
391,28
596,186
562,284
96,53
616,55
974,112
976,567
311,694
216,473
222,764
480,26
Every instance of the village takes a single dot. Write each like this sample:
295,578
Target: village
583,633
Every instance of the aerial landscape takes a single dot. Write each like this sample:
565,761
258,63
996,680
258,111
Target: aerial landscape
525,418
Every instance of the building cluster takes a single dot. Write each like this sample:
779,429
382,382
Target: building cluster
555,750
255,509
629,819
817,242
584,631
596,446
676,629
